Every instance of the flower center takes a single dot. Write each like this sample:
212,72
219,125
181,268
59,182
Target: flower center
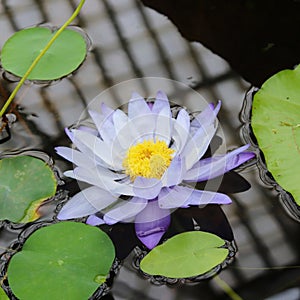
147,159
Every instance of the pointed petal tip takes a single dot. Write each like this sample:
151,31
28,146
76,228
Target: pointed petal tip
151,241
135,95
94,221
161,95
150,233
69,133
63,215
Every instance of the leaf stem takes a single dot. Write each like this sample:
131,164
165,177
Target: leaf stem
37,59
226,288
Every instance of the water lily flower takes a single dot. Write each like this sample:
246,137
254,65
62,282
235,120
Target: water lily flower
141,165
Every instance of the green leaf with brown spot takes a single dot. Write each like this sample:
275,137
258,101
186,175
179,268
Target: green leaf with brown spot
25,182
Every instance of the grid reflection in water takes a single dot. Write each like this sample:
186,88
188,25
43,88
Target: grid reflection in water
131,41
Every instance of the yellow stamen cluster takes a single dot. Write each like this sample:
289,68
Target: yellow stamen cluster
148,159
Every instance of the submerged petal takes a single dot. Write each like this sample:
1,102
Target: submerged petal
125,210
212,167
86,202
151,224
180,196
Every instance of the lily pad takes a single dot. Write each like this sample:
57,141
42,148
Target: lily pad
276,125
67,260
3,296
25,181
63,57
185,255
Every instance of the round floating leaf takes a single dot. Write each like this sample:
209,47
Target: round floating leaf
63,57
276,125
3,296
25,181
185,255
66,261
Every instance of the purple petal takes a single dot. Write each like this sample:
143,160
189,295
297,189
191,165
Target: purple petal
180,196
151,224
137,106
174,173
106,110
207,116
94,220
212,167
124,211
199,197
147,188
161,102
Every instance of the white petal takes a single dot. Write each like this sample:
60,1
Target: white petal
198,144
106,110
126,210
94,220
147,188
86,202
104,125
100,149
76,157
181,130
172,197
100,180
137,106
174,173
83,148
163,127
161,102
127,132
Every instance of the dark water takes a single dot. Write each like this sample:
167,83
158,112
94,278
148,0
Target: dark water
130,42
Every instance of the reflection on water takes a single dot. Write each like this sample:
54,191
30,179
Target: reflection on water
130,39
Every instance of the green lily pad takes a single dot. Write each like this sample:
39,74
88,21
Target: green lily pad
25,181
63,57
66,261
276,125
3,296
185,255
